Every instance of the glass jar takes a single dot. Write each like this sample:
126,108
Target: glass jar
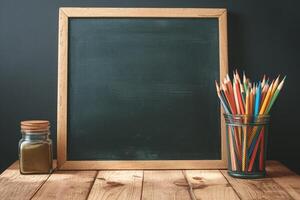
35,147
247,138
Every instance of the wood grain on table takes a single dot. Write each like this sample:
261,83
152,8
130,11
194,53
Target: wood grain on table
281,183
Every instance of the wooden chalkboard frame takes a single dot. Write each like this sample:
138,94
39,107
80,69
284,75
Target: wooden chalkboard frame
64,15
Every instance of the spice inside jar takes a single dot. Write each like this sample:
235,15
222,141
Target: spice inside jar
35,147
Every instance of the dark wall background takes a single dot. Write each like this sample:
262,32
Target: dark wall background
263,38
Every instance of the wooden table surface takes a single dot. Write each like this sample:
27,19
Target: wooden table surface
281,183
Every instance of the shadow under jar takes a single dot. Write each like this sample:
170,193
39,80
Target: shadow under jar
35,147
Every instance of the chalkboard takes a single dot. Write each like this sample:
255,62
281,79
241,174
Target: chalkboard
140,91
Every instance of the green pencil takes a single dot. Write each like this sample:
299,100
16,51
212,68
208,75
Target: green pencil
275,95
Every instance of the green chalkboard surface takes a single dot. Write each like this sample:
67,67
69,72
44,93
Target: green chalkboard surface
143,89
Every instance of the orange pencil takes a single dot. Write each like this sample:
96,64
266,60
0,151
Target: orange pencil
233,104
264,92
230,94
236,99
237,130
266,100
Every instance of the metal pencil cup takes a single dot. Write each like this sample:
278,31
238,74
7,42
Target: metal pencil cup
246,145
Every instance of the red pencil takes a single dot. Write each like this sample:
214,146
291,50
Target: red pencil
252,159
242,109
261,155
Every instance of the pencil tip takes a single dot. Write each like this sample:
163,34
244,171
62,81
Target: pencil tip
284,78
281,84
216,83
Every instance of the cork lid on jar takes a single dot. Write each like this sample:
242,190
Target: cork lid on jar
35,126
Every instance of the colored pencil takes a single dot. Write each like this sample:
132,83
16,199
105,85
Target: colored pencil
264,92
275,85
245,82
275,95
221,100
266,100
243,95
229,157
254,154
263,81
257,99
261,112
261,154
230,94
233,161
228,98
236,99
245,134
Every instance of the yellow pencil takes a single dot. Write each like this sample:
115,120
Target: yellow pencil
275,86
247,103
250,101
266,100
245,134
232,156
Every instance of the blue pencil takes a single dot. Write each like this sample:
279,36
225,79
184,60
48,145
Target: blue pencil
224,106
257,99
221,99
225,101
